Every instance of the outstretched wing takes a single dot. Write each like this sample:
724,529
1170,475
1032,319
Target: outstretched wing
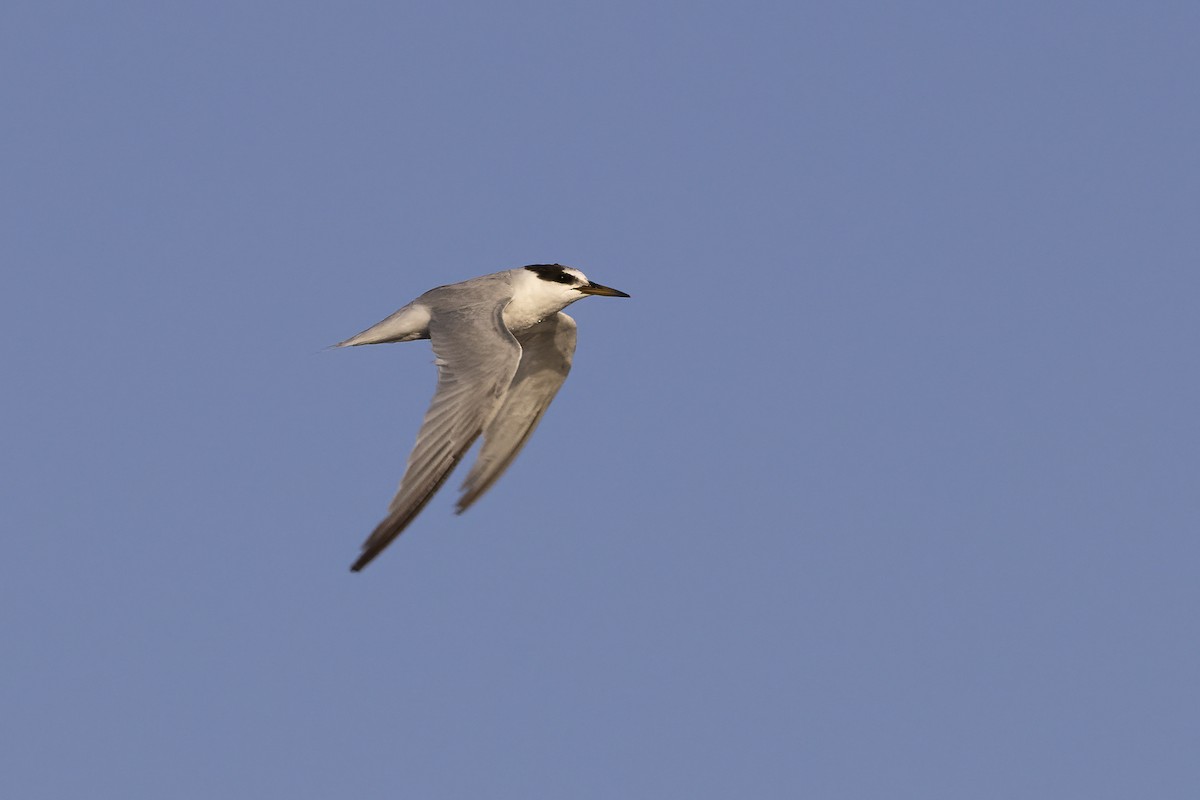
477,358
547,349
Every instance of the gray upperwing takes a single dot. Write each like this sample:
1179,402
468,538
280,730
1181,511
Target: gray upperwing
547,350
477,358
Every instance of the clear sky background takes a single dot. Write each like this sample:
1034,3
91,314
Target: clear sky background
883,484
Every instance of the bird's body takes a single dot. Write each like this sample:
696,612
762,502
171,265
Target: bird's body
503,349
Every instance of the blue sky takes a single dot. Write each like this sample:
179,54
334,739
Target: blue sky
883,484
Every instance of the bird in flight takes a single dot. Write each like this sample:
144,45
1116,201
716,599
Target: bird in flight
503,348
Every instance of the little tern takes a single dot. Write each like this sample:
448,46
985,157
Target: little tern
503,348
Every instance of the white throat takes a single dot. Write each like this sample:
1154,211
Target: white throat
535,299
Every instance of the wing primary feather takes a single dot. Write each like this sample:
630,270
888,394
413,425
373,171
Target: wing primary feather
547,351
477,358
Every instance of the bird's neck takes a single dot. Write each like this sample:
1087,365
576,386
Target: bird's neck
533,300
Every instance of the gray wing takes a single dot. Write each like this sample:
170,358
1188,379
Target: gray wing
477,358
545,361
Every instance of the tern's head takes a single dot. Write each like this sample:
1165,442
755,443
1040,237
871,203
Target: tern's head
565,283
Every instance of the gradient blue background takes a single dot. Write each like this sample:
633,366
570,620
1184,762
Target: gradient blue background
884,483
